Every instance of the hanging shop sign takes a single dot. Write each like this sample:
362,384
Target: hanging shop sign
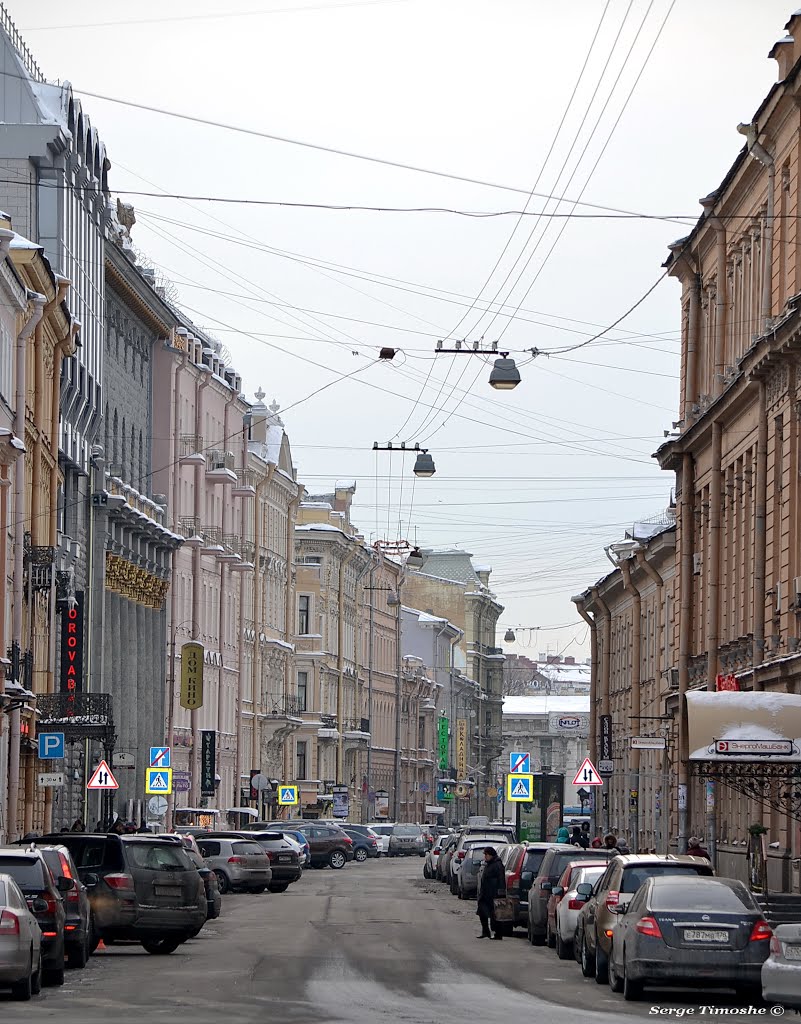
192,676
208,762
442,738
72,650
461,748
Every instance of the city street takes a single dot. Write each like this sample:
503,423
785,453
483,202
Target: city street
367,944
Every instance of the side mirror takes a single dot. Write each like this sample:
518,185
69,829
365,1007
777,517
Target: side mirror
91,879
40,905
622,908
584,889
557,890
527,876
547,886
64,884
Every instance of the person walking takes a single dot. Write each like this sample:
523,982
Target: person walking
622,845
694,848
579,838
610,841
491,887
78,826
563,835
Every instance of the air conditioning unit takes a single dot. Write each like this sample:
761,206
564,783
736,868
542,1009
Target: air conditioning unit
698,563
797,592
673,678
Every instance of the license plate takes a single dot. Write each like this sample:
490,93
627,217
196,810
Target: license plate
792,952
284,860
705,935
168,890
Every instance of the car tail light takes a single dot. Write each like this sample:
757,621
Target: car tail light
236,860
9,923
775,945
69,927
120,880
575,904
762,930
612,898
348,840
270,855
65,866
649,926
373,842
460,855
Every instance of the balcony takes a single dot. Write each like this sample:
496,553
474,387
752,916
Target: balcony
280,717
281,707
220,467
190,450
189,527
328,732
212,541
245,486
241,552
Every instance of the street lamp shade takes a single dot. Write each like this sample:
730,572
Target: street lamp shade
424,465
393,600
505,375
509,636
415,559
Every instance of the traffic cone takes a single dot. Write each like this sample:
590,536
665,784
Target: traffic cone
100,945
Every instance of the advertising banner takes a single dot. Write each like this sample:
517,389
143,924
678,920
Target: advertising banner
341,803
192,676
381,805
442,737
208,762
72,648
461,748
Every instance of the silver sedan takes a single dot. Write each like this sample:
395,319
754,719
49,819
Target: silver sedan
781,972
20,942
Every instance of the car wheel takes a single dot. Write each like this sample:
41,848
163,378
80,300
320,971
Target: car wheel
632,990
337,859
615,981
77,956
426,872
222,883
360,854
54,976
587,962
563,949
22,990
256,889
550,938
279,887
36,979
161,947
601,965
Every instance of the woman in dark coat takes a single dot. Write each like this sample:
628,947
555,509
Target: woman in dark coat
493,885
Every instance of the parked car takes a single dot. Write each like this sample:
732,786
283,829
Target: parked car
20,942
689,931
241,865
624,876
781,972
446,851
553,864
522,863
364,846
283,853
383,830
564,904
467,881
432,857
464,845
407,841
207,876
141,888
288,830
328,844
44,896
493,830
78,939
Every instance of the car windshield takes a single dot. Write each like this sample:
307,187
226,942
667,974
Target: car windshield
714,896
406,830
27,872
534,859
589,875
635,875
158,856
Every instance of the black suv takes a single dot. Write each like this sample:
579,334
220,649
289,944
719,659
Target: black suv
43,894
140,887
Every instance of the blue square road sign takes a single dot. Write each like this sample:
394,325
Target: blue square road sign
51,745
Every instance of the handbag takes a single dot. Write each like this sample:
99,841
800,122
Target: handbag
503,909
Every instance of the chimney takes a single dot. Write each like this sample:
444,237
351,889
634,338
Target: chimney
484,575
343,497
258,423
570,660
785,51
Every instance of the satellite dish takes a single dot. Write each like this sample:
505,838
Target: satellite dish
157,805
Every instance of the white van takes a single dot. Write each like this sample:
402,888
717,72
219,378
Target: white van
383,830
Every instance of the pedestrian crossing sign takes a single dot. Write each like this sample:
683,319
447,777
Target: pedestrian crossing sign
158,781
520,788
287,795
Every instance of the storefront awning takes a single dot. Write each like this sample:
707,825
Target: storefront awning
732,726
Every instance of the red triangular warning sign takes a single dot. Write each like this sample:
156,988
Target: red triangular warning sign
102,778
587,775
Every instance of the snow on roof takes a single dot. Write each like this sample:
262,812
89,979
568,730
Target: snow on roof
320,526
542,704
20,242
317,504
561,673
345,485
275,435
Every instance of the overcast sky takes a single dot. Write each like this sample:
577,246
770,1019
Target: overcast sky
534,482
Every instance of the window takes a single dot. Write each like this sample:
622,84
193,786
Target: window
303,682
304,610
300,758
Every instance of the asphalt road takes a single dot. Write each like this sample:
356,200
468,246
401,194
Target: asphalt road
370,944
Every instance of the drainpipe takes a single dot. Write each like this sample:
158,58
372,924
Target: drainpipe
370,581
713,621
687,513
606,644
760,500
38,301
197,563
636,678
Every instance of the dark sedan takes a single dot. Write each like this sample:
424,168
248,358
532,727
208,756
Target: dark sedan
364,845
689,930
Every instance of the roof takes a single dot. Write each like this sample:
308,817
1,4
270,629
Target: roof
543,704
450,564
